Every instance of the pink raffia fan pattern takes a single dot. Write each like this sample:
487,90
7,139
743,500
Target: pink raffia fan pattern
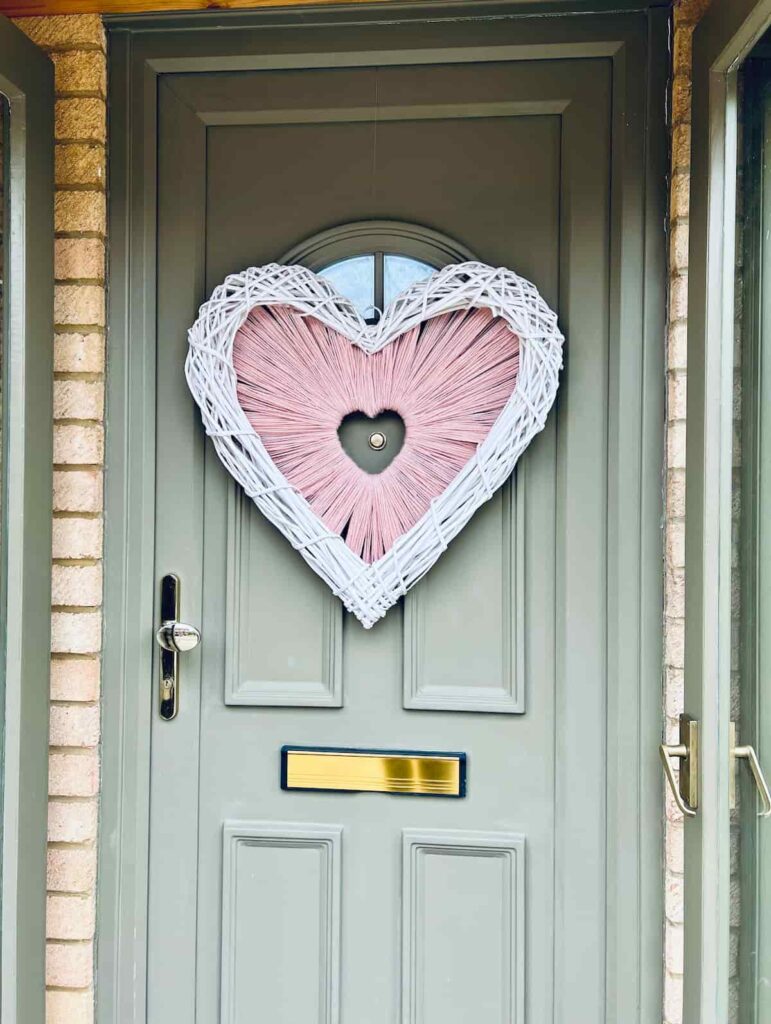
449,378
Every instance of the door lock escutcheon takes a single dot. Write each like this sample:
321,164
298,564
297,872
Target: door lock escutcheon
173,638
747,753
685,790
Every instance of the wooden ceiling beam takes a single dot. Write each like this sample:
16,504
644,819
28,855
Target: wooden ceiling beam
37,8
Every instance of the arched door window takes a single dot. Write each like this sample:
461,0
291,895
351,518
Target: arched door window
371,262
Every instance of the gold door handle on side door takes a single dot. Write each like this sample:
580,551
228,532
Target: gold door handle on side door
747,753
685,790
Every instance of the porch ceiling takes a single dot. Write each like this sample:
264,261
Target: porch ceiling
35,8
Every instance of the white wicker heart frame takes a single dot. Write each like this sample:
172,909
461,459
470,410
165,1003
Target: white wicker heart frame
369,590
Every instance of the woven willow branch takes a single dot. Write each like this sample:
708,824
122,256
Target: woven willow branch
370,590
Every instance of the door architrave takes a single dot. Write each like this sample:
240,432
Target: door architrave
142,52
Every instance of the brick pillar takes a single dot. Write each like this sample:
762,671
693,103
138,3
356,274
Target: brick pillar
686,15
76,44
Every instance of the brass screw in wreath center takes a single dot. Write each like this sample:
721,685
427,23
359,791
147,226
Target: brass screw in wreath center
377,441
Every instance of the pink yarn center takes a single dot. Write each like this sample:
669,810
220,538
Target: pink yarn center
449,379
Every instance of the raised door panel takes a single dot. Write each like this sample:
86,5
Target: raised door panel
463,937
474,595
284,644
281,905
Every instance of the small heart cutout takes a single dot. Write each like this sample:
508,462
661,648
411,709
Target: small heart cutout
372,442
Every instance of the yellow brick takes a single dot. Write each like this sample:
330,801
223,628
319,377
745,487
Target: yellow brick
673,642
681,98
677,349
75,679
676,460
69,1006
81,119
73,773
79,258
70,917
79,353
71,869
74,725
690,11
76,632
676,493
682,51
678,246
80,163
76,212
77,538
71,821
64,31
675,847
78,400
677,394
76,585
673,952
77,444
78,490
673,895
79,304
69,964
678,297
679,196
675,686
681,146
80,71
673,998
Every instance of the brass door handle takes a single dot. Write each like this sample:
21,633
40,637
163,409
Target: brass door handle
667,751
686,791
747,753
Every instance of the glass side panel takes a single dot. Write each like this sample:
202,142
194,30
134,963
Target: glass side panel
399,272
355,279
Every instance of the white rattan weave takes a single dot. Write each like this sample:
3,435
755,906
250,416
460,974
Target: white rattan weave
370,590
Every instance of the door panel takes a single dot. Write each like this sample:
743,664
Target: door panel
478,598
463,916
280,905
285,642
462,643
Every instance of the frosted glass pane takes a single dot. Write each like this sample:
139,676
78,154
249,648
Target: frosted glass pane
400,272
355,279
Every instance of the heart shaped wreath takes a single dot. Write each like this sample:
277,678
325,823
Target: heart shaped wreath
469,358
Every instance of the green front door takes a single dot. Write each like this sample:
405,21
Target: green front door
533,646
